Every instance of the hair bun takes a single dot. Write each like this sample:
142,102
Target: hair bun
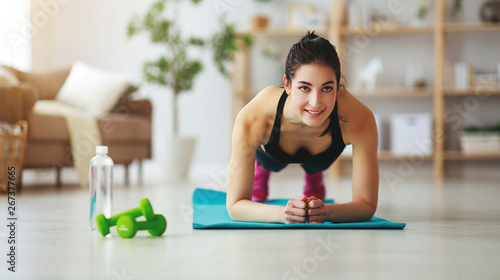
309,36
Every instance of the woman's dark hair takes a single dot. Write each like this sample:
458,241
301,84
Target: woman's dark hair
313,49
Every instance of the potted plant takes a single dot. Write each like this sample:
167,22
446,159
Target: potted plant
177,70
456,11
480,139
421,12
260,20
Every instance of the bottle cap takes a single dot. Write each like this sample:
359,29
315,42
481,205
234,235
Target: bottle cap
101,149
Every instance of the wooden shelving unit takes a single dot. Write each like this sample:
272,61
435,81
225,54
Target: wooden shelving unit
284,33
392,92
471,27
337,32
387,30
472,91
388,155
458,155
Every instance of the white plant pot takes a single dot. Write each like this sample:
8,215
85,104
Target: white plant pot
179,154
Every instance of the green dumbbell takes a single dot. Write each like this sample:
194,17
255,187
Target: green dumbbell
127,226
145,209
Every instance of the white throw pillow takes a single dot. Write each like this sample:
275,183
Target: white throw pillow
92,89
7,78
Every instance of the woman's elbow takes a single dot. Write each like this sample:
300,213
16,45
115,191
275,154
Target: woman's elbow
233,212
370,212
230,211
366,211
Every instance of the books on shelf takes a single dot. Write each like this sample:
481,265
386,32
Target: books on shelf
485,81
462,73
463,78
358,15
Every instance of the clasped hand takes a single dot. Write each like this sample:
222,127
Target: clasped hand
304,210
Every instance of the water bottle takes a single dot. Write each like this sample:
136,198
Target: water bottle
100,185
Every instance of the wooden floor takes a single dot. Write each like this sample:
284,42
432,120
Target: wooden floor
452,233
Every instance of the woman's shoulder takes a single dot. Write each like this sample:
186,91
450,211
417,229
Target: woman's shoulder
351,107
268,96
259,113
264,103
356,116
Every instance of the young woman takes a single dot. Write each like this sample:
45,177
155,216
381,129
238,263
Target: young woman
309,123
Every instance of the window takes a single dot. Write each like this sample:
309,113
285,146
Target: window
15,33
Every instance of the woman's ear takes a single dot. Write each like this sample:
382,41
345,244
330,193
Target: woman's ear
287,85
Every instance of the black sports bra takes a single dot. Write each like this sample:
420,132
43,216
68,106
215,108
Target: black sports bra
273,149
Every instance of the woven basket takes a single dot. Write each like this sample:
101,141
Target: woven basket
480,142
12,149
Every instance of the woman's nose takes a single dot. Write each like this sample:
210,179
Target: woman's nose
314,99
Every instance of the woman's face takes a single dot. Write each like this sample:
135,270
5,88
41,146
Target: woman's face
313,93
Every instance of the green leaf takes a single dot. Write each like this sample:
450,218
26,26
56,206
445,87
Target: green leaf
174,68
197,42
224,44
157,72
160,32
158,6
186,74
133,26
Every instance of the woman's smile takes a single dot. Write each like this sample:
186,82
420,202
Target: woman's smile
314,113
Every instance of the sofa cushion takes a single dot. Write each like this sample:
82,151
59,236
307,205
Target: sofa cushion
115,128
45,127
92,89
16,102
11,104
31,95
48,83
7,78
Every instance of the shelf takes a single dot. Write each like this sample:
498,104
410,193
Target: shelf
449,155
458,155
381,30
393,92
388,155
283,32
471,27
398,92
387,30
438,94
472,91
378,92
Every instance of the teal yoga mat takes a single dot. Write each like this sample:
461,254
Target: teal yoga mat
209,212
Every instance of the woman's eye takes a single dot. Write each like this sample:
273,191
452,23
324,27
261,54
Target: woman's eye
327,89
304,88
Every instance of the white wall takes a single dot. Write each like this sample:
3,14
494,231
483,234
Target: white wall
94,31
15,43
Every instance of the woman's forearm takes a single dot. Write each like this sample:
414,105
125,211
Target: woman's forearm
251,211
356,211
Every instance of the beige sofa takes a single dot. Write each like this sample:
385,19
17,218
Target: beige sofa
126,130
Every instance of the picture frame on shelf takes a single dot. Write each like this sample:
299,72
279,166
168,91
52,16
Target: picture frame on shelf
317,20
297,15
